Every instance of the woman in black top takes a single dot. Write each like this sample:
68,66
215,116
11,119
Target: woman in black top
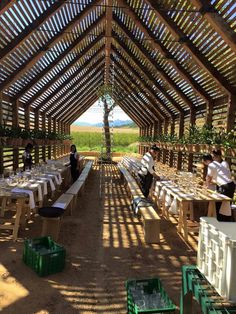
27,158
74,163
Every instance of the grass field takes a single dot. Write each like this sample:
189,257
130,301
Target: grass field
90,139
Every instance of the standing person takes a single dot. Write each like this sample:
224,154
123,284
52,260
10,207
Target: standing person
217,156
219,174
147,170
74,163
27,158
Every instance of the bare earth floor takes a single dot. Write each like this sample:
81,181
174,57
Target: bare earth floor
105,247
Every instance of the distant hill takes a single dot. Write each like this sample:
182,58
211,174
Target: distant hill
116,124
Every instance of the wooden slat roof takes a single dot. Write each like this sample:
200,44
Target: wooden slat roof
167,58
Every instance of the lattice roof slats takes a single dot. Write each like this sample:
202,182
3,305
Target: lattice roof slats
224,22
140,93
78,51
24,31
149,81
171,18
137,105
72,88
69,51
94,82
150,94
71,84
164,74
76,89
54,39
148,70
5,5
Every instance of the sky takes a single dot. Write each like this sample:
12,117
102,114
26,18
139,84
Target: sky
95,112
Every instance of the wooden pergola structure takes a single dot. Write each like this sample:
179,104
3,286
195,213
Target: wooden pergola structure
174,63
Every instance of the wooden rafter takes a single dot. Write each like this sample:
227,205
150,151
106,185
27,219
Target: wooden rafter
144,88
108,31
90,84
135,103
148,79
62,55
161,72
55,39
74,75
217,22
6,4
77,93
165,53
30,29
152,112
197,55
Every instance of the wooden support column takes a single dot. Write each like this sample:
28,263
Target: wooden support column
209,113
164,152
15,123
55,131
49,131
171,153
181,133
155,129
36,126
44,129
231,113
1,147
192,116
27,117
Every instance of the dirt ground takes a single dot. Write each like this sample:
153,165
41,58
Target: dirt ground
105,247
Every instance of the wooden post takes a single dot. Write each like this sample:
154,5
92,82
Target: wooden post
44,129
49,131
36,126
27,117
55,131
171,153
231,113
15,123
1,147
181,133
209,113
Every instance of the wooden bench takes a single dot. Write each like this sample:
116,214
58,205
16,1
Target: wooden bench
65,201
149,217
78,186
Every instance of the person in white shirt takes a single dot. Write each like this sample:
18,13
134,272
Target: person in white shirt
217,156
147,170
219,174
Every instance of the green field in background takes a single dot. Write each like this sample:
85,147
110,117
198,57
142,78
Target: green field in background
92,141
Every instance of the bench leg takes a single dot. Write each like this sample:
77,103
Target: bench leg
51,227
19,206
151,231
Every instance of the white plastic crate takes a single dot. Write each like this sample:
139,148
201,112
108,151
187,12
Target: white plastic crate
216,257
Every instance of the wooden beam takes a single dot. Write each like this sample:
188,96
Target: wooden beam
165,53
146,109
70,78
6,4
147,77
145,90
231,110
52,42
30,29
27,118
196,54
77,93
56,62
108,39
71,108
217,22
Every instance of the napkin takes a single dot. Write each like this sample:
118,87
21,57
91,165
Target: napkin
225,208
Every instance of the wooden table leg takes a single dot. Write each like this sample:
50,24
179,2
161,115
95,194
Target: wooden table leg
19,206
183,219
211,209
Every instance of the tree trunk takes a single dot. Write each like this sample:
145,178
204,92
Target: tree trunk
107,131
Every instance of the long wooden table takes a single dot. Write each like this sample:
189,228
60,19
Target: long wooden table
185,201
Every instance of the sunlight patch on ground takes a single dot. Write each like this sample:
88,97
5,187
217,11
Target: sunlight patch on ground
10,289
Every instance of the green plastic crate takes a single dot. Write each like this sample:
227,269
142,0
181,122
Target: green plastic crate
149,287
44,256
